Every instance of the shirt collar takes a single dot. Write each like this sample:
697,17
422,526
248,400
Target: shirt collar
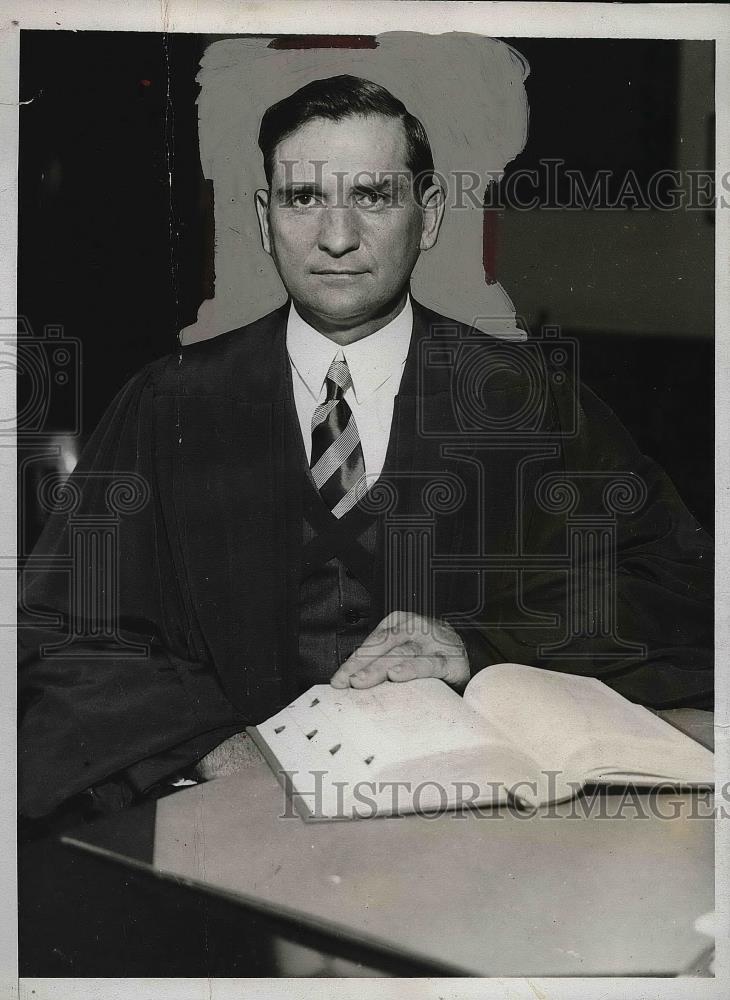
372,360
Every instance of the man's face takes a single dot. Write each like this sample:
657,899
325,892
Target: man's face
341,220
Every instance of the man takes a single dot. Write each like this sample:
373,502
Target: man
321,497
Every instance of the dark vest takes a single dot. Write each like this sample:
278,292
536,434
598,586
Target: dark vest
334,611
341,595
334,607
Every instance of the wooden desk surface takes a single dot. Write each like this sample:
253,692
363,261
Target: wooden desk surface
496,894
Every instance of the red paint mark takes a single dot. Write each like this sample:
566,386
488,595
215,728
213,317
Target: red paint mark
324,42
146,83
489,245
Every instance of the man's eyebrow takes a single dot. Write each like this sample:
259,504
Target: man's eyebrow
297,187
380,186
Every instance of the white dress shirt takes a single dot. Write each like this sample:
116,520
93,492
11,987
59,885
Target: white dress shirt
376,365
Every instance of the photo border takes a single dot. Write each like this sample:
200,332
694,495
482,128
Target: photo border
230,17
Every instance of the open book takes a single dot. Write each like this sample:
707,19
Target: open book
519,733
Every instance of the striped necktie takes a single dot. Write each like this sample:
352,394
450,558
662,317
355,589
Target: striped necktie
337,464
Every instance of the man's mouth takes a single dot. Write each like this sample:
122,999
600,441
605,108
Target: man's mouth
340,272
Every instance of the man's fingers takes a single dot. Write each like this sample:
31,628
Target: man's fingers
365,670
381,642
403,647
361,671
383,638
447,668
352,665
375,670
418,666
369,676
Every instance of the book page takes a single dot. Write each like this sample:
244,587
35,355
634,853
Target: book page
420,731
578,725
673,758
384,724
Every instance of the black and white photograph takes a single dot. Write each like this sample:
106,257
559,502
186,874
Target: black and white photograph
364,436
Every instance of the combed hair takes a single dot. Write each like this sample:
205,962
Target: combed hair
337,98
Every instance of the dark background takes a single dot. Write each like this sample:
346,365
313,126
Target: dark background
635,288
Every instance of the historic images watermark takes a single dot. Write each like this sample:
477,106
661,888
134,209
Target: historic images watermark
551,185
512,405
548,795
48,430
475,428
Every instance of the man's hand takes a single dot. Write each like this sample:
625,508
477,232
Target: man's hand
405,646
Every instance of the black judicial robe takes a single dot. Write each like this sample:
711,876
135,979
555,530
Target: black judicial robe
209,566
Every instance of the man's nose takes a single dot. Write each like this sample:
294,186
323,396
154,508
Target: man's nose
339,232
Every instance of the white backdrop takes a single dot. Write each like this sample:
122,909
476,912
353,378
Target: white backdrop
466,89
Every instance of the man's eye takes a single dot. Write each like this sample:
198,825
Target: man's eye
303,200
369,199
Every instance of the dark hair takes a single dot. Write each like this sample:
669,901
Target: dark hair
340,97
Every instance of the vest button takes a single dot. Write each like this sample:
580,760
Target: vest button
353,617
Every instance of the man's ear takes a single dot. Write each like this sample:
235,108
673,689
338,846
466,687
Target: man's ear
261,197
432,205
